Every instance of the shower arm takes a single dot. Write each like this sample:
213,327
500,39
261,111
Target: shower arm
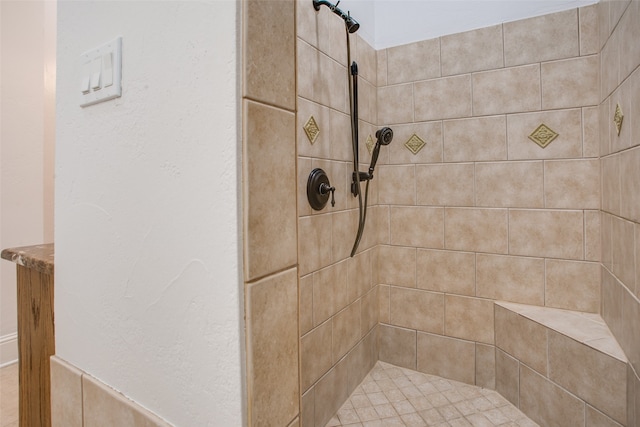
352,24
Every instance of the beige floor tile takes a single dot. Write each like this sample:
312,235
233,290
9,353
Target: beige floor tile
438,402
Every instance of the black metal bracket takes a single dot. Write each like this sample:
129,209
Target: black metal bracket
318,189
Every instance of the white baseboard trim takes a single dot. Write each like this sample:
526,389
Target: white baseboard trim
8,349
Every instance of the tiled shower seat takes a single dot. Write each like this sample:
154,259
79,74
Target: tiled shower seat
560,367
394,396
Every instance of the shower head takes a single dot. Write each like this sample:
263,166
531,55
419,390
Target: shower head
384,135
352,24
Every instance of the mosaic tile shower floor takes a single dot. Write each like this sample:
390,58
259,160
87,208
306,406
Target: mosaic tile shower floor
393,396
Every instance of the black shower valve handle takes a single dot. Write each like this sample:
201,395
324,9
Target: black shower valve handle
324,189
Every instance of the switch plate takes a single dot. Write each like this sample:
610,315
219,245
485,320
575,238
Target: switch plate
102,67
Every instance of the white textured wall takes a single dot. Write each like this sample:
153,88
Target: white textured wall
26,138
146,220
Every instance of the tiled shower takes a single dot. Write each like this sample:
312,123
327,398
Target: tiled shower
507,180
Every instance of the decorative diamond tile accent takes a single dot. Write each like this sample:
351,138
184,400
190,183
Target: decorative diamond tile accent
370,144
543,135
415,144
617,118
311,129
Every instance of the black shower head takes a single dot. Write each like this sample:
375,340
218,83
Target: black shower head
352,24
384,135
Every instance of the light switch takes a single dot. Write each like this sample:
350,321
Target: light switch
107,69
101,76
96,70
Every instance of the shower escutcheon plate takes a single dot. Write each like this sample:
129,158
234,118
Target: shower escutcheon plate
318,189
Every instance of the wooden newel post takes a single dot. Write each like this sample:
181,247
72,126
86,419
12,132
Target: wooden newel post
36,335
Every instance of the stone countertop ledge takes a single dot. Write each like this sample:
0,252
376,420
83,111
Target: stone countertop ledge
38,257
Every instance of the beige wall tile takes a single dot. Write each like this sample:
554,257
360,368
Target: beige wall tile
344,227
637,291
590,132
446,271
102,405
510,278
361,360
477,139
306,304
572,285
634,115
570,82
272,364
481,230
397,346
572,184
469,318
629,28
616,10
510,184
623,256
510,90
430,133
446,98
592,235
359,275
546,403
603,22
395,104
367,101
610,65
340,135
315,355
508,377
418,226
448,184
486,366
320,78
543,38
383,303
66,394
270,56
397,266
612,305
307,408
606,230
604,123
589,35
476,50
331,39
381,59
631,329
630,184
330,393
417,309
413,62
546,233
597,418
365,55
306,23
314,242
611,185
568,144
397,185
327,283
521,338
269,171
572,365
346,330
446,357
369,311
